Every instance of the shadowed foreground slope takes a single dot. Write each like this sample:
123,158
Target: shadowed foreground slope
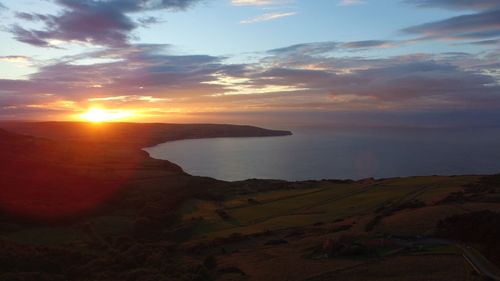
52,179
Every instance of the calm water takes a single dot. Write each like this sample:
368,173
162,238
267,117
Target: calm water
339,154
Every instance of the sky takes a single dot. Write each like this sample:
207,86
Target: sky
328,62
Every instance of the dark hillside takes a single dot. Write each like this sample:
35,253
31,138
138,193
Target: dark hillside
133,134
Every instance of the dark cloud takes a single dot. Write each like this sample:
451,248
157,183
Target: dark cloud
368,44
32,37
493,42
307,48
482,26
457,4
31,113
14,58
147,21
324,48
134,5
32,17
96,22
485,24
424,81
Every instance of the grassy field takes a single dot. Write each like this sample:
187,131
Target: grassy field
305,205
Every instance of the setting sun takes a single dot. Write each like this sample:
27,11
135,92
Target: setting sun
103,115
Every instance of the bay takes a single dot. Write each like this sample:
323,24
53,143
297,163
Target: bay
320,153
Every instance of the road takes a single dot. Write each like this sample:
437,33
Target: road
474,258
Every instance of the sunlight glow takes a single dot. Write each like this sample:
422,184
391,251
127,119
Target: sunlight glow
97,115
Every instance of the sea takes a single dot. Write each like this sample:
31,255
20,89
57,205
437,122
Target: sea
339,153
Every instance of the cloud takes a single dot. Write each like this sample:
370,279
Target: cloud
147,21
306,49
14,58
32,17
366,44
257,2
482,25
493,42
128,99
268,17
350,2
96,22
485,24
325,48
421,81
457,4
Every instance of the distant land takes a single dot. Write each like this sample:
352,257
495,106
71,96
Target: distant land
83,202
134,134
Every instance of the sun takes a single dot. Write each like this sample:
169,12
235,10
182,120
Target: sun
97,115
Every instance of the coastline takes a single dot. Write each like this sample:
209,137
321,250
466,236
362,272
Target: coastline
323,154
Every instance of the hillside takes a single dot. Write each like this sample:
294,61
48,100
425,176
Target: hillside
138,135
53,179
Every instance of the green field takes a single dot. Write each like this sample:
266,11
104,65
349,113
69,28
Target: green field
304,205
